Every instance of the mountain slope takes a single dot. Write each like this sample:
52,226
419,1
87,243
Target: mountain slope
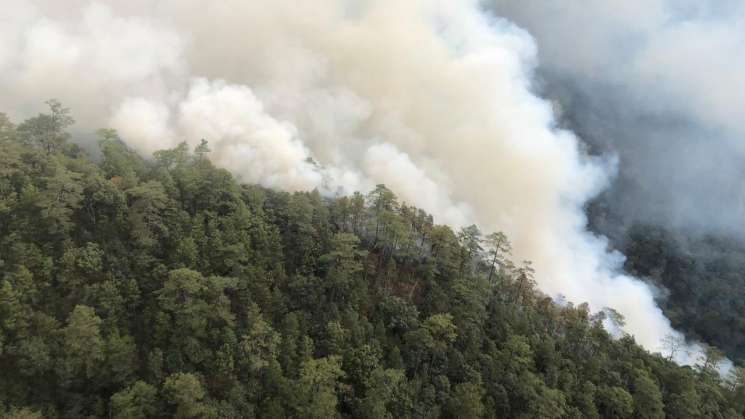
137,288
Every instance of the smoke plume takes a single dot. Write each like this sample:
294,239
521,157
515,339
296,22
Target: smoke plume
433,98
659,83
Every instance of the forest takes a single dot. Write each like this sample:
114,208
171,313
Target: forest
700,275
135,287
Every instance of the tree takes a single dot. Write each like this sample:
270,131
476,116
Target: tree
736,378
186,394
260,347
470,241
386,396
201,150
360,364
499,247
399,315
48,130
10,165
61,197
191,306
736,381
174,158
383,204
7,131
441,327
148,203
584,400
709,360
673,343
343,264
345,254
465,401
135,402
615,402
83,344
120,358
647,397
317,387
525,281
119,164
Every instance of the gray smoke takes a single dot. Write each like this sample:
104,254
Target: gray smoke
660,84
433,98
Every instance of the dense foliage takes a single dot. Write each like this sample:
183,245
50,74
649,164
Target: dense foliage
704,277
134,288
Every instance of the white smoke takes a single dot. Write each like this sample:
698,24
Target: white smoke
431,97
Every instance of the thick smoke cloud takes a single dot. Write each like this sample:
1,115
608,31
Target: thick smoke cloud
433,98
660,84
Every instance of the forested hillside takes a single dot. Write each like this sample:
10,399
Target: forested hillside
139,288
701,275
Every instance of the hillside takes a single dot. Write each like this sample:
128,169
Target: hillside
701,275
163,287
